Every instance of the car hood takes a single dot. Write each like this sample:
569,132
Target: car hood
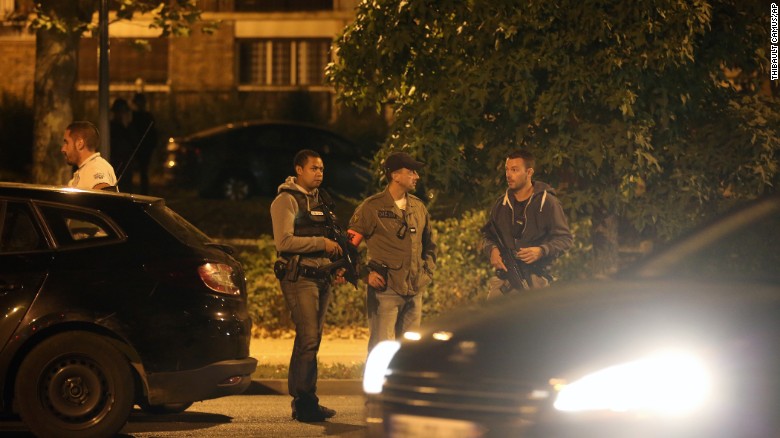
568,331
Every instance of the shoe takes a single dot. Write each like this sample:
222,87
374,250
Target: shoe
320,413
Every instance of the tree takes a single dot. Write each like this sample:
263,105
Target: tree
59,25
626,104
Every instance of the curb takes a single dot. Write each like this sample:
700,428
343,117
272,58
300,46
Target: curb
324,387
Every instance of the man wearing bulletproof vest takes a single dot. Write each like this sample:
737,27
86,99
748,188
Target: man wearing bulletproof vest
300,231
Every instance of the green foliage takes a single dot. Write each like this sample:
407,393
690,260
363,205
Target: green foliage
173,18
625,104
461,270
265,299
460,278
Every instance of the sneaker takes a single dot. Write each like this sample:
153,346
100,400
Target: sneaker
321,413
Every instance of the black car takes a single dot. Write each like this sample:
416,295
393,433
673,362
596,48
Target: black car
237,160
111,300
687,344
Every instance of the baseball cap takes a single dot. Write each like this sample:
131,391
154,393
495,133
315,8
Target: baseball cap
400,160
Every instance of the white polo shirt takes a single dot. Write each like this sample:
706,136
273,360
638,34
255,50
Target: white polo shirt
93,171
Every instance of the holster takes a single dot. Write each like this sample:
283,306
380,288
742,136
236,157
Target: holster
292,268
287,268
280,268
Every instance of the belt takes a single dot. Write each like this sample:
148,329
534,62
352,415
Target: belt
314,273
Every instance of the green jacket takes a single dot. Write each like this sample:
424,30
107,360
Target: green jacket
401,240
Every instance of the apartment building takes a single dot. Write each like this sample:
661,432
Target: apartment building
265,58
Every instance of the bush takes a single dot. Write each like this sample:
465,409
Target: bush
266,302
461,272
460,279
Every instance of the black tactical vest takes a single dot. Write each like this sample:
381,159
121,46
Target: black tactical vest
308,223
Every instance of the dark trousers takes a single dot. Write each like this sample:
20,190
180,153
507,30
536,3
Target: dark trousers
308,302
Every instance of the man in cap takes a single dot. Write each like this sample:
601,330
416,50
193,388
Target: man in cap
396,227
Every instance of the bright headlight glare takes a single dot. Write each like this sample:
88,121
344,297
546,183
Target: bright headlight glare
376,366
669,383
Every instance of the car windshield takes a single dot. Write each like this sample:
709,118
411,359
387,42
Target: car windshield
177,225
744,247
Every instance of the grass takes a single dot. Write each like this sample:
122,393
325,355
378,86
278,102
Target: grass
334,371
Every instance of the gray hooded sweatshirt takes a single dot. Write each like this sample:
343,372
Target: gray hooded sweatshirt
283,211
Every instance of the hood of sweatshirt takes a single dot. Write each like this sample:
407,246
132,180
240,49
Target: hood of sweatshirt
540,189
291,184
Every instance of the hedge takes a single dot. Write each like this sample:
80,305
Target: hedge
460,278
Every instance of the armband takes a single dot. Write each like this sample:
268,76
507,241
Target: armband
354,237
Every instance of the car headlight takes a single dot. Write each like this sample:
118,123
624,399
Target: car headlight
665,383
376,366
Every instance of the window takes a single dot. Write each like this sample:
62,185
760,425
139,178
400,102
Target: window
127,61
18,232
77,227
283,62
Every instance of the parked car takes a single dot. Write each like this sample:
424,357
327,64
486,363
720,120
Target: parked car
237,160
684,345
111,300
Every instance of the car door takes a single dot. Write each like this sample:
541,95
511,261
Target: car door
25,259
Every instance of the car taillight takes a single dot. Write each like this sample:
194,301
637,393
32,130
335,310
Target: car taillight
219,278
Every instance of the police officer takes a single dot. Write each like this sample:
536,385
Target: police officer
300,232
79,146
396,227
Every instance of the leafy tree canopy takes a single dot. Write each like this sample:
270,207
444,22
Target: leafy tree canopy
173,18
59,24
626,105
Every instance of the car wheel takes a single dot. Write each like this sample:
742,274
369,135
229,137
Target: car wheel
74,385
235,188
167,408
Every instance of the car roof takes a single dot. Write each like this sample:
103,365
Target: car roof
744,214
251,123
72,195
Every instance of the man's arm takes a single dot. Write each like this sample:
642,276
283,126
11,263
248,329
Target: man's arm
283,210
100,186
489,245
429,246
360,226
559,238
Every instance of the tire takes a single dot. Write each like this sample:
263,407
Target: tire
164,409
235,188
75,385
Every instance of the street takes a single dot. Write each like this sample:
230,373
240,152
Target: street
242,415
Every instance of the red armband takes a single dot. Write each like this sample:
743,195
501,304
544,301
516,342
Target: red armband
354,237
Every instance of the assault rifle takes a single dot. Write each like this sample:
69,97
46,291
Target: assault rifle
350,258
515,273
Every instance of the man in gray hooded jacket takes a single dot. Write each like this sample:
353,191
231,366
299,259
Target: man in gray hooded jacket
530,220
300,235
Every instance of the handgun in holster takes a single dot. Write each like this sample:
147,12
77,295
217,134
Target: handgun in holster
280,268
287,268
381,269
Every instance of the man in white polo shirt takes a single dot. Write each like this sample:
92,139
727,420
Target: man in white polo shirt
78,146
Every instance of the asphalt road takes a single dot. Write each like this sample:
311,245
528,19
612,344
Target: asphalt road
236,416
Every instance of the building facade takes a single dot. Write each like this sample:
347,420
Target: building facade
266,59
